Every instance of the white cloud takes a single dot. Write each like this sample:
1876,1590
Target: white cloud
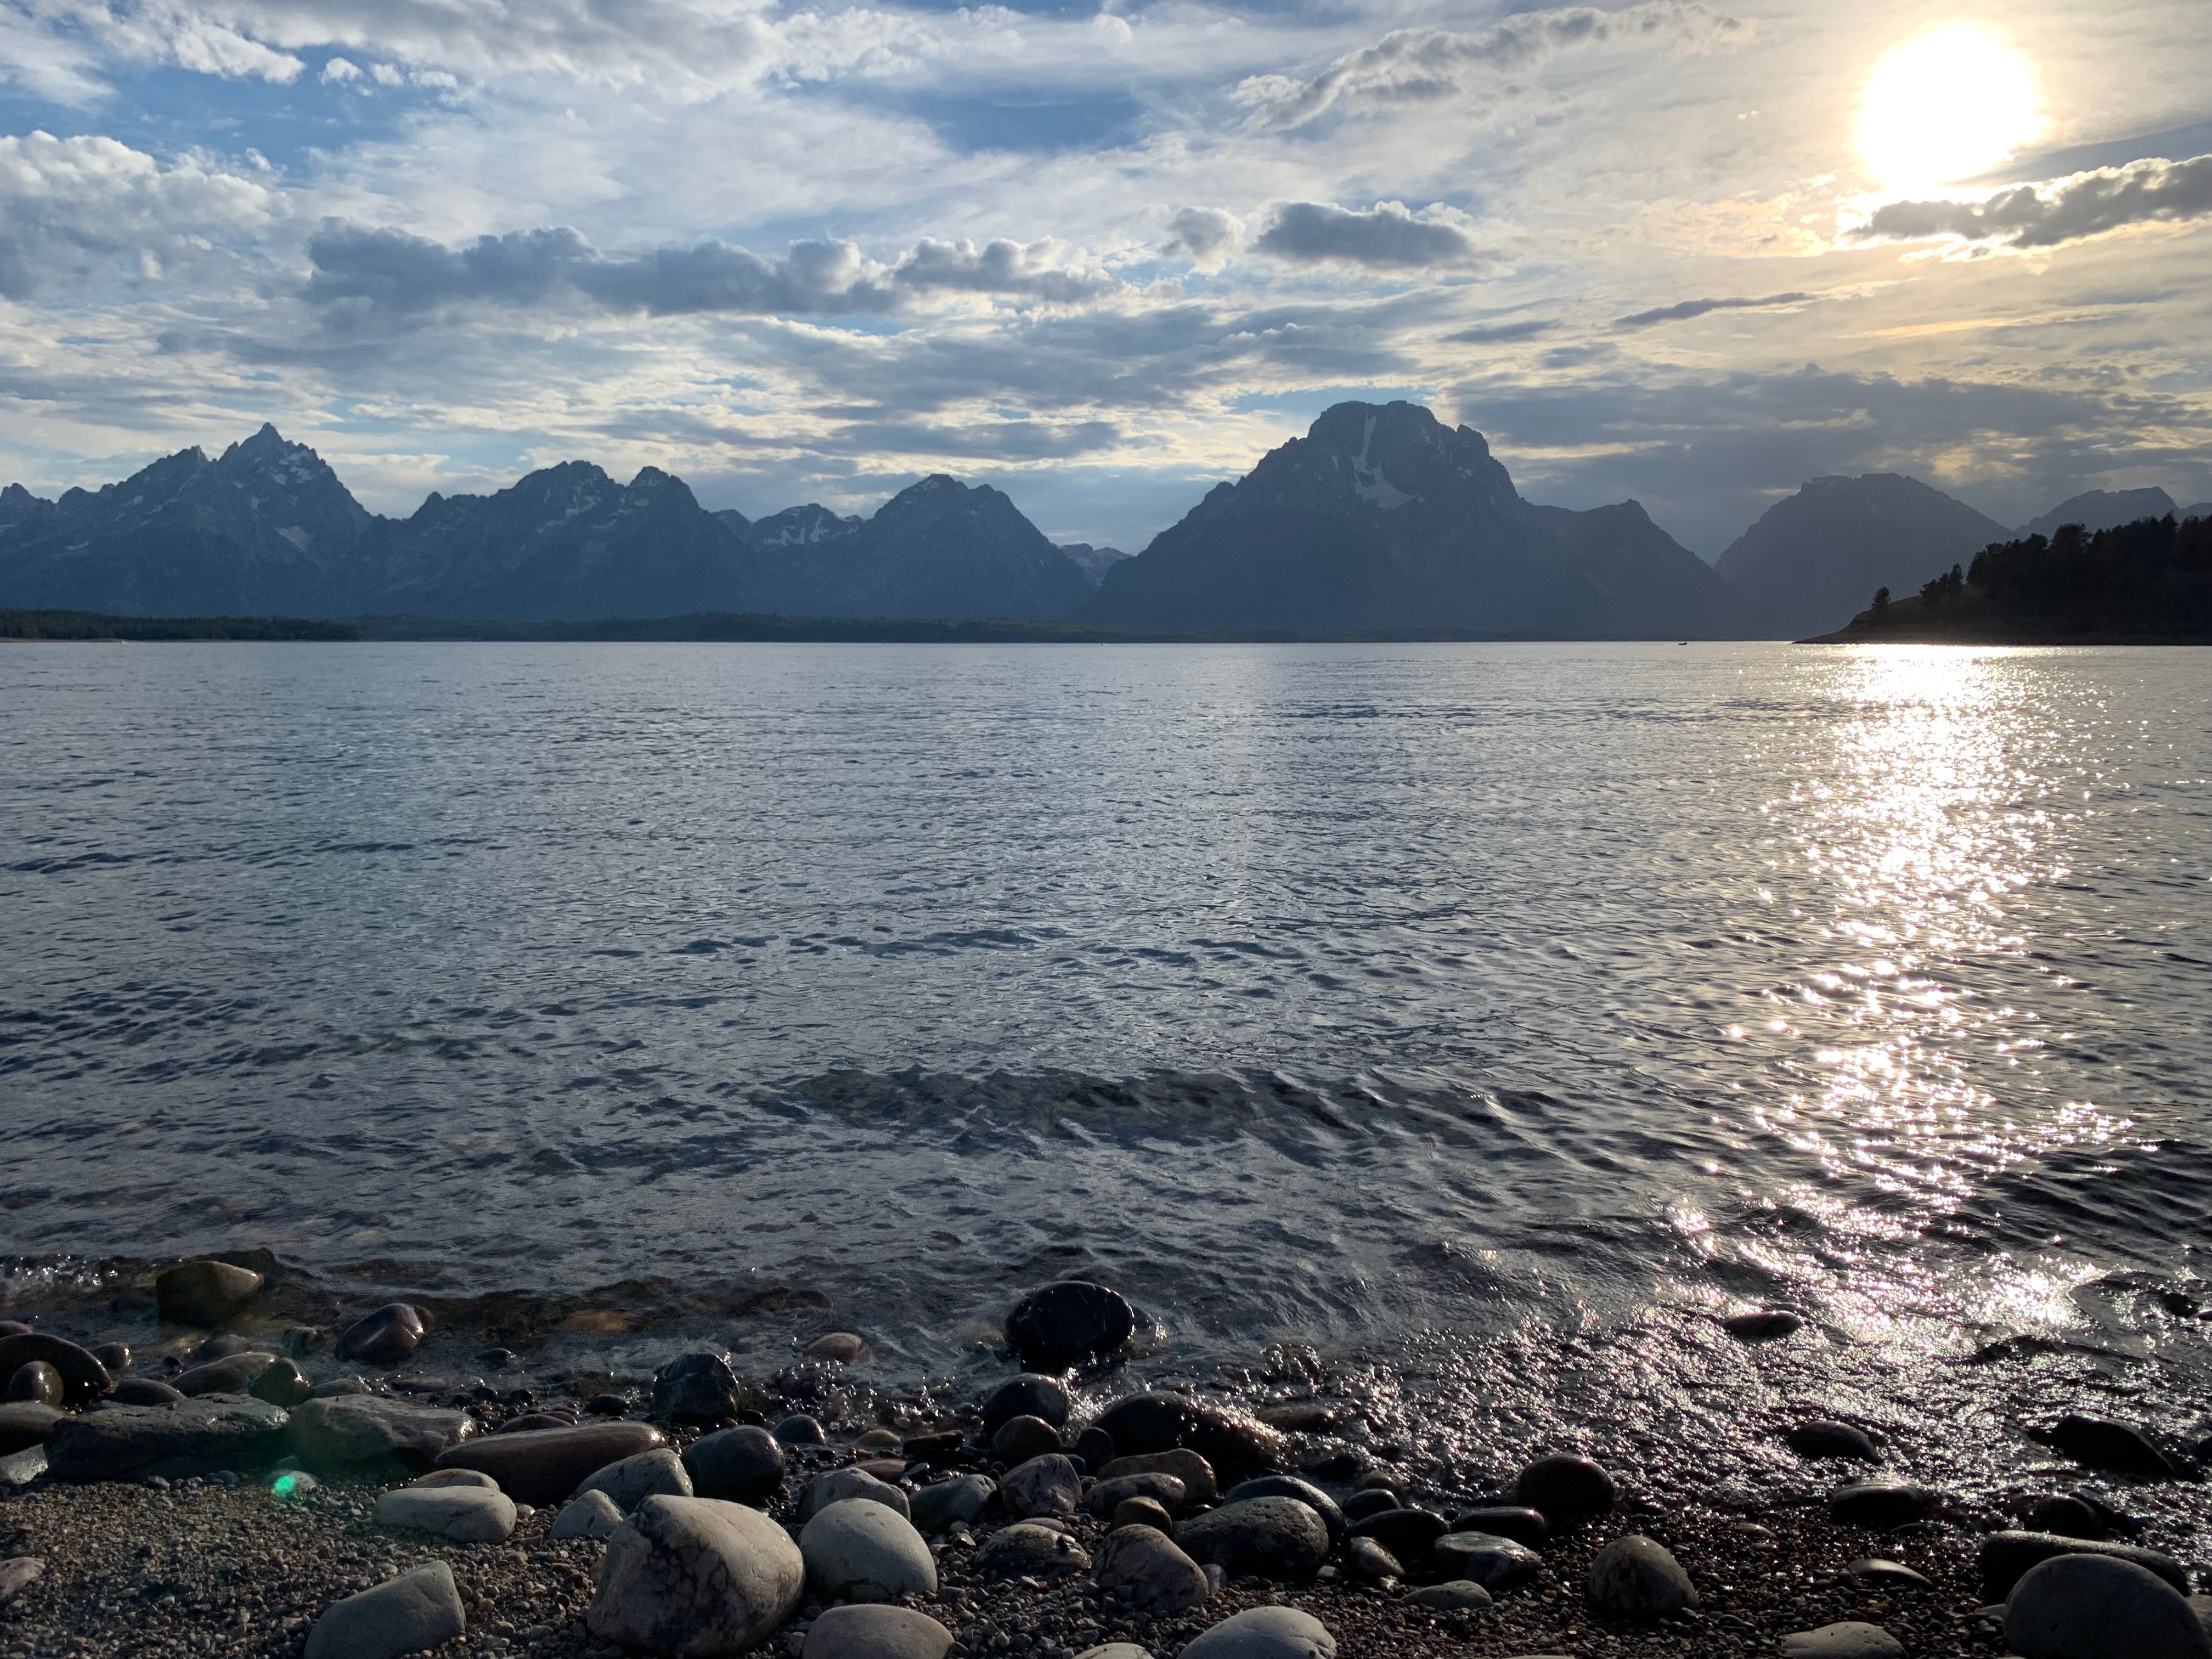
1205,236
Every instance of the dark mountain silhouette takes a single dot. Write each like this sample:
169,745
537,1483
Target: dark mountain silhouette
1094,562
2101,509
2201,510
1821,553
1382,518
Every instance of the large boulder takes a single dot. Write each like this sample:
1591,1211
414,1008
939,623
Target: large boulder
543,1468
84,1379
205,1294
466,1515
2098,1607
630,1480
1065,1324
414,1612
859,1551
744,1465
695,1577
1273,1538
1160,1577
2006,1557
1265,1633
369,1428
876,1632
196,1437
1637,1579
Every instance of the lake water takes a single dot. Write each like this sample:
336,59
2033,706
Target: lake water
1369,997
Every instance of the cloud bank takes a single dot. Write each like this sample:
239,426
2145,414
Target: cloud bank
1684,310
2052,214
1385,237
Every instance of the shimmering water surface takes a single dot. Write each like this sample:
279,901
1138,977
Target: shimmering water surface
1328,994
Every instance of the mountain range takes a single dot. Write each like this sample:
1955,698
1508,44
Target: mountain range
1381,519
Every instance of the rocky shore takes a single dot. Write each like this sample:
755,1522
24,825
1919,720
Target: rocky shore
248,1487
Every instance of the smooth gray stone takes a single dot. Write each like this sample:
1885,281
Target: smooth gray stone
589,1515
1265,1633
204,1293
26,1423
839,1485
1115,1651
744,1465
1044,1485
467,1514
545,1467
696,1575
1027,1551
630,1480
2099,1606
858,1550
22,1467
1146,1562
1851,1638
365,1428
417,1610
934,1509
2005,1557
1290,1486
1365,1559
1456,1595
876,1632
1273,1538
438,1478
1105,1496
197,1436
1636,1579
1495,1563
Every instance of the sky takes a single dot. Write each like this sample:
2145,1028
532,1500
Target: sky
1103,256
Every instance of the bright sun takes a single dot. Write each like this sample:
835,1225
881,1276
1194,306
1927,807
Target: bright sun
1945,105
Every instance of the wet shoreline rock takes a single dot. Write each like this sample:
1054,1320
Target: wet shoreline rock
206,1294
543,1468
194,1437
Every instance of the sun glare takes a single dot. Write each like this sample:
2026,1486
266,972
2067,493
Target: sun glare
1946,106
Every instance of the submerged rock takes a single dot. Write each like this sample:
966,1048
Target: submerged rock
838,1349
695,1576
1065,1324
414,1612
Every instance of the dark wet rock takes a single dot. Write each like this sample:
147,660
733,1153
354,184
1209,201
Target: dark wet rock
143,1391
876,1632
2099,1444
1062,1324
338,1386
859,1551
233,1374
495,1360
1497,1562
1408,1534
37,1384
1095,1447
1141,1512
1105,1495
587,1515
1042,1485
1187,1467
1852,1638
281,1382
1265,1633
1301,1417
1453,1595
964,1498
1027,1550
839,1485
743,1465
1388,1481
410,1613
302,1340
84,1379
2006,1557
370,1428
1565,1489
1365,1559
1273,1538
1888,1575
115,1357
1146,1422
838,1349
1375,1500
197,1436
2081,1515
1289,1485
387,1337
697,1388
694,1576
940,1448
1880,1505
630,1480
543,1468
1822,1438
464,1514
1145,1563
606,1405
2098,1607
1020,1439
17,1574
1636,1580
14,1328
222,1346
1339,1467
1767,1325
532,1422
1235,1445
26,1423
206,1294
1522,1526
800,1431
1027,1395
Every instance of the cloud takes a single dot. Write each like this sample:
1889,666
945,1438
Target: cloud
1385,237
1423,65
1685,309
67,204
1205,236
1502,333
1034,270
2052,214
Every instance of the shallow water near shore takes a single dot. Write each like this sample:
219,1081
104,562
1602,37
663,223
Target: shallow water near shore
1420,1002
